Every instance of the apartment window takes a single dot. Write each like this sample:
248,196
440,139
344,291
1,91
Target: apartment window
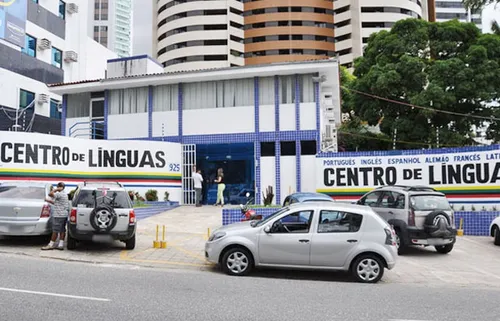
56,57
219,94
54,109
25,98
30,46
128,101
62,9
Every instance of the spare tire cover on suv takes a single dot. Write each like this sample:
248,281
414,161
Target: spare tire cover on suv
103,218
436,221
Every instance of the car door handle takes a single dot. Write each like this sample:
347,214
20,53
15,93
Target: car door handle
391,212
352,241
304,241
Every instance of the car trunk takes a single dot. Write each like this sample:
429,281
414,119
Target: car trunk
20,209
423,205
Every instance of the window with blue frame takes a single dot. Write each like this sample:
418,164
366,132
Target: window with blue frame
56,57
35,1
30,46
54,109
62,9
25,98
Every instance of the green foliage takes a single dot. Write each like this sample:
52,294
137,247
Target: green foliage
166,196
447,66
71,194
268,196
152,195
478,4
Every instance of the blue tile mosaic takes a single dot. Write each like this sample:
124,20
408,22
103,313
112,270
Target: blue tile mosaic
257,140
64,112
106,113
297,128
150,111
318,113
474,223
180,114
298,151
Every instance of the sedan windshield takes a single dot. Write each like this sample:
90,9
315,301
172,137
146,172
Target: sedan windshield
270,217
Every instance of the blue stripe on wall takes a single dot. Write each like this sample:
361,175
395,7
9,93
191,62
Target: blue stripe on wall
277,158
106,113
150,111
297,128
64,112
180,114
257,141
318,123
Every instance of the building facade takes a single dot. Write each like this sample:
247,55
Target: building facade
262,124
110,24
454,9
54,49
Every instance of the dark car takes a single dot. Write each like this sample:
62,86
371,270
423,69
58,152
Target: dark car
306,197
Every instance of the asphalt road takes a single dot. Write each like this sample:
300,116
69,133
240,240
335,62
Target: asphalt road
38,289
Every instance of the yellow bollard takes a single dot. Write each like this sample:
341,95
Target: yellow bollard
163,243
460,231
208,233
156,243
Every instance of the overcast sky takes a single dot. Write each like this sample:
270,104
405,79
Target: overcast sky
143,25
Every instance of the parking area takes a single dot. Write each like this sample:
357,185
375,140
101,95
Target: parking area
474,260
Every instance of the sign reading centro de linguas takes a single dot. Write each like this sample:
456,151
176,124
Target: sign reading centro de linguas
13,21
460,173
147,164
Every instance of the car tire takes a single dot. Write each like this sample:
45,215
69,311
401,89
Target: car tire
444,249
130,243
367,268
237,261
496,235
402,246
71,243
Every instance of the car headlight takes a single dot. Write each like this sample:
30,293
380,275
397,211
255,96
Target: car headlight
217,235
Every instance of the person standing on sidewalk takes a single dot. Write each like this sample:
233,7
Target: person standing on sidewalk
198,185
220,187
59,217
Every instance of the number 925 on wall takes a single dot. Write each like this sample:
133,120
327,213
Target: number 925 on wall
172,167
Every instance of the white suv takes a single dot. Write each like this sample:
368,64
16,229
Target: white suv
311,235
101,212
419,214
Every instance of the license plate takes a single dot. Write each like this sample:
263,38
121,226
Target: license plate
102,238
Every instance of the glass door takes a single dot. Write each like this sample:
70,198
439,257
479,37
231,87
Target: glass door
97,118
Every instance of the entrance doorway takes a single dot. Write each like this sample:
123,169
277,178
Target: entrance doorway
97,118
238,163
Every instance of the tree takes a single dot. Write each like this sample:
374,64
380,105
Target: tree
495,28
478,4
448,67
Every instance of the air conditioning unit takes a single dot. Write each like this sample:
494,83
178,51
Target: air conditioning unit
43,99
330,132
44,44
70,56
71,8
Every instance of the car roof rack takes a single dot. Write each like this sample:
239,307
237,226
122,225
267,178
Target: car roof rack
415,188
101,182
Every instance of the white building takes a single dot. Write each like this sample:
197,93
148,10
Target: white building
199,34
110,24
356,20
262,124
55,49
454,9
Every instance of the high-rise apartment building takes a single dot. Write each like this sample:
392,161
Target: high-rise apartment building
196,34
50,45
454,9
111,24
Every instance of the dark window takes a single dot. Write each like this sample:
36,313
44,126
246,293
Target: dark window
298,222
393,200
30,46
62,9
339,222
236,25
371,199
54,109
308,147
283,37
267,149
25,98
288,148
117,199
56,57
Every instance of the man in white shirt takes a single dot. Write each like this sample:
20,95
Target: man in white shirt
198,181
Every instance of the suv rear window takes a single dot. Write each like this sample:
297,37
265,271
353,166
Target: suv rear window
86,199
429,203
25,192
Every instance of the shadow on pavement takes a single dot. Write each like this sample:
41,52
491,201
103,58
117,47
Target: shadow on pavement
101,247
419,251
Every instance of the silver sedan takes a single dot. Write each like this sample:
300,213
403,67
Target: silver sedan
23,209
316,235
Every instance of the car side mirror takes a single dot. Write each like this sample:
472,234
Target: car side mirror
267,229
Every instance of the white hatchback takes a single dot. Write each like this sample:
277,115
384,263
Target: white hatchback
316,235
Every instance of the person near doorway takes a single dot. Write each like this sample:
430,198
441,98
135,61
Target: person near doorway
220,187
198,185
59,217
